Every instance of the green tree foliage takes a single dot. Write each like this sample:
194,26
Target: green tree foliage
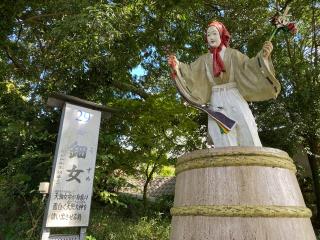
88,49
292,121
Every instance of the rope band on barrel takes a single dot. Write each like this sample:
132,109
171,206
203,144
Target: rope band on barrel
224,161
243,211
233,151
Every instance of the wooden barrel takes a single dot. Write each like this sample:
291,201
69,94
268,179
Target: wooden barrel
238,193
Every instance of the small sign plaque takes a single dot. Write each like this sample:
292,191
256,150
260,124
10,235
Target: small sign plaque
71,188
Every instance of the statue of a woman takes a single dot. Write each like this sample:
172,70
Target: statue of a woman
224,80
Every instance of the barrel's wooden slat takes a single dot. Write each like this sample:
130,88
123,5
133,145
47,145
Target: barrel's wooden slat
249,185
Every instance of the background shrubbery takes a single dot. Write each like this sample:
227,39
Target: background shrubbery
128,220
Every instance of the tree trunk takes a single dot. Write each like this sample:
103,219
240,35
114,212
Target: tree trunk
314,161
146,184
145,190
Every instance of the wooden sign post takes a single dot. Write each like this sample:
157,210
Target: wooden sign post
72,175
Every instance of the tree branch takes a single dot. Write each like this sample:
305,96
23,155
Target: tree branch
13,59
37,17
155,164
314,35
130,87
292,61
147,170
20,31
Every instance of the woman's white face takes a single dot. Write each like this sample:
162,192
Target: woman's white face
213,37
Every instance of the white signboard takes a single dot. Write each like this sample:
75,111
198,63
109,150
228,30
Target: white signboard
75,157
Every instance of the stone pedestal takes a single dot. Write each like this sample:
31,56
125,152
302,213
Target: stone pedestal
239,193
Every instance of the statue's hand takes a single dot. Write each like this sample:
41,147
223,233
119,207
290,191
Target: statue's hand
173,62
267,49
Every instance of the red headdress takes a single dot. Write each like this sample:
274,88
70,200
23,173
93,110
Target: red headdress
218,65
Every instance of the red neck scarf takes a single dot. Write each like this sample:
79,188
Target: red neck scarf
218,65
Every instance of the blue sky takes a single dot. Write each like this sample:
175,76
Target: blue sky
138,71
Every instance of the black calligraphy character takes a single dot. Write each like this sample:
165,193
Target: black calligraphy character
82,152
78,151
74,174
